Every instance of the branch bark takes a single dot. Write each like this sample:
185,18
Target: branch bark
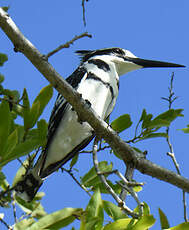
102,130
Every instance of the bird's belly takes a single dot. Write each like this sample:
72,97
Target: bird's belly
70,134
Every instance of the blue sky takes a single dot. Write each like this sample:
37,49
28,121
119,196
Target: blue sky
150,29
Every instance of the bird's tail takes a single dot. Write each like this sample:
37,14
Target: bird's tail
28,186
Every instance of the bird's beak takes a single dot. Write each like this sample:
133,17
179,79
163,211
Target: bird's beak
150,63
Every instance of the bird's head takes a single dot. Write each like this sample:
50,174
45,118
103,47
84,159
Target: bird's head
123,60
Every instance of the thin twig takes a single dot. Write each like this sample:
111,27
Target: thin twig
75,179
130,189
83,7
134,139
7,226
129,175
99,149
28,165
14,212
133,194
170,99
121,203
67,44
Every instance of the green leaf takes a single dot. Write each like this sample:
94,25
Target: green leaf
147,119
42,127
91,178
143,116
23,148
34,114
3,182
24,224
21,172
183,226
20,130
121,123
7,198
94,209
2,78
163,220
164,119
6,8
137,188
113,210
157,123
1,89
39,196
43,98
2,177
146,209
31,115
26,110
74,160
185,130
170,115
91,224
57,220
11,143
120,224
5,122
13,94
33,208
144,223
3,59
153,135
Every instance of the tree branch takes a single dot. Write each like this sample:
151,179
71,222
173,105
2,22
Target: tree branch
120,202
102,129
69,171
129,175
67,44
170,99
83,7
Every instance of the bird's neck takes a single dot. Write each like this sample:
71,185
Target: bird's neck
103,68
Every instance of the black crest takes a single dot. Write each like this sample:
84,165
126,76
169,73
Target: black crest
86,54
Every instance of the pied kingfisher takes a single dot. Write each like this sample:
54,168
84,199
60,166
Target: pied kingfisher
97,80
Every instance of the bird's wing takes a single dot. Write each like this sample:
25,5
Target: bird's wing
61,104
58,112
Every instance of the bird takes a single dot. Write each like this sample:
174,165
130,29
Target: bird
97,80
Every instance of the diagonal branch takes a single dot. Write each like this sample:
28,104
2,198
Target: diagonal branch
102,129
67,44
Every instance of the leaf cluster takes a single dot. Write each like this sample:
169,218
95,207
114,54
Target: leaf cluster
147,124
91,218
17,140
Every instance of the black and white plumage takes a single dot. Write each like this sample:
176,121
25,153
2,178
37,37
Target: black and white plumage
97,80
